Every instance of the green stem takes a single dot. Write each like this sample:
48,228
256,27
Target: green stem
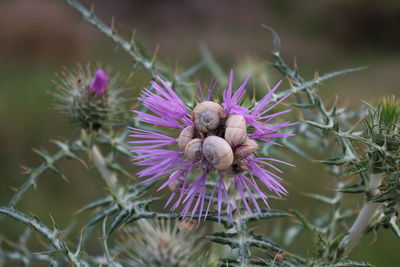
100,163
66,151
110,32
52,235
364,218
244,249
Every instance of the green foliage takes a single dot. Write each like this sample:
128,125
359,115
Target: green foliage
52,236
66,151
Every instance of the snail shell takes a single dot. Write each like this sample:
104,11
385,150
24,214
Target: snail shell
218,152
248,147
238,166
208,116
187,224
280,256
177,185
185,137
235,132
194,149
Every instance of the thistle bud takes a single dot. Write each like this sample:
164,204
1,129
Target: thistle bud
382,128
158,243
88,98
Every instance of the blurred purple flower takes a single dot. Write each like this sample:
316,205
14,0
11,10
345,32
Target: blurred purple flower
98,85
158,154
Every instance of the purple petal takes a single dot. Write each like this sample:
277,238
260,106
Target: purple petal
98,85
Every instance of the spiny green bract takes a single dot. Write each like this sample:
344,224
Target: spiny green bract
382,128
159,243
84,108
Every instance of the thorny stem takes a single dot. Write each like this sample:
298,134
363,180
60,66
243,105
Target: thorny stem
27,259
98,160
130,48
242,251
52,235
34,174
313,100
364,218
331,124
110,177
336,207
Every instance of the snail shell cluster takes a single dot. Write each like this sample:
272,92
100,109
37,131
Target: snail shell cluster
217,138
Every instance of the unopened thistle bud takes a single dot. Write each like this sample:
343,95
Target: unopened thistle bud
382,135
88,98
159,243
382,128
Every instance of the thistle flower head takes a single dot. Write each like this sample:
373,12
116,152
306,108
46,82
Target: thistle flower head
158,243
219,141
88,98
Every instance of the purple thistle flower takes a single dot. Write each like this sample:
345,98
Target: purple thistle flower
160,156
98,85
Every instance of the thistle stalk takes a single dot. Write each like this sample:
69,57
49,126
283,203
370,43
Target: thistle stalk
130,47
364,218
243,250
100,163
109,177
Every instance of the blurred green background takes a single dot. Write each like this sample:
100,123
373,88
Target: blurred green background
39,37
